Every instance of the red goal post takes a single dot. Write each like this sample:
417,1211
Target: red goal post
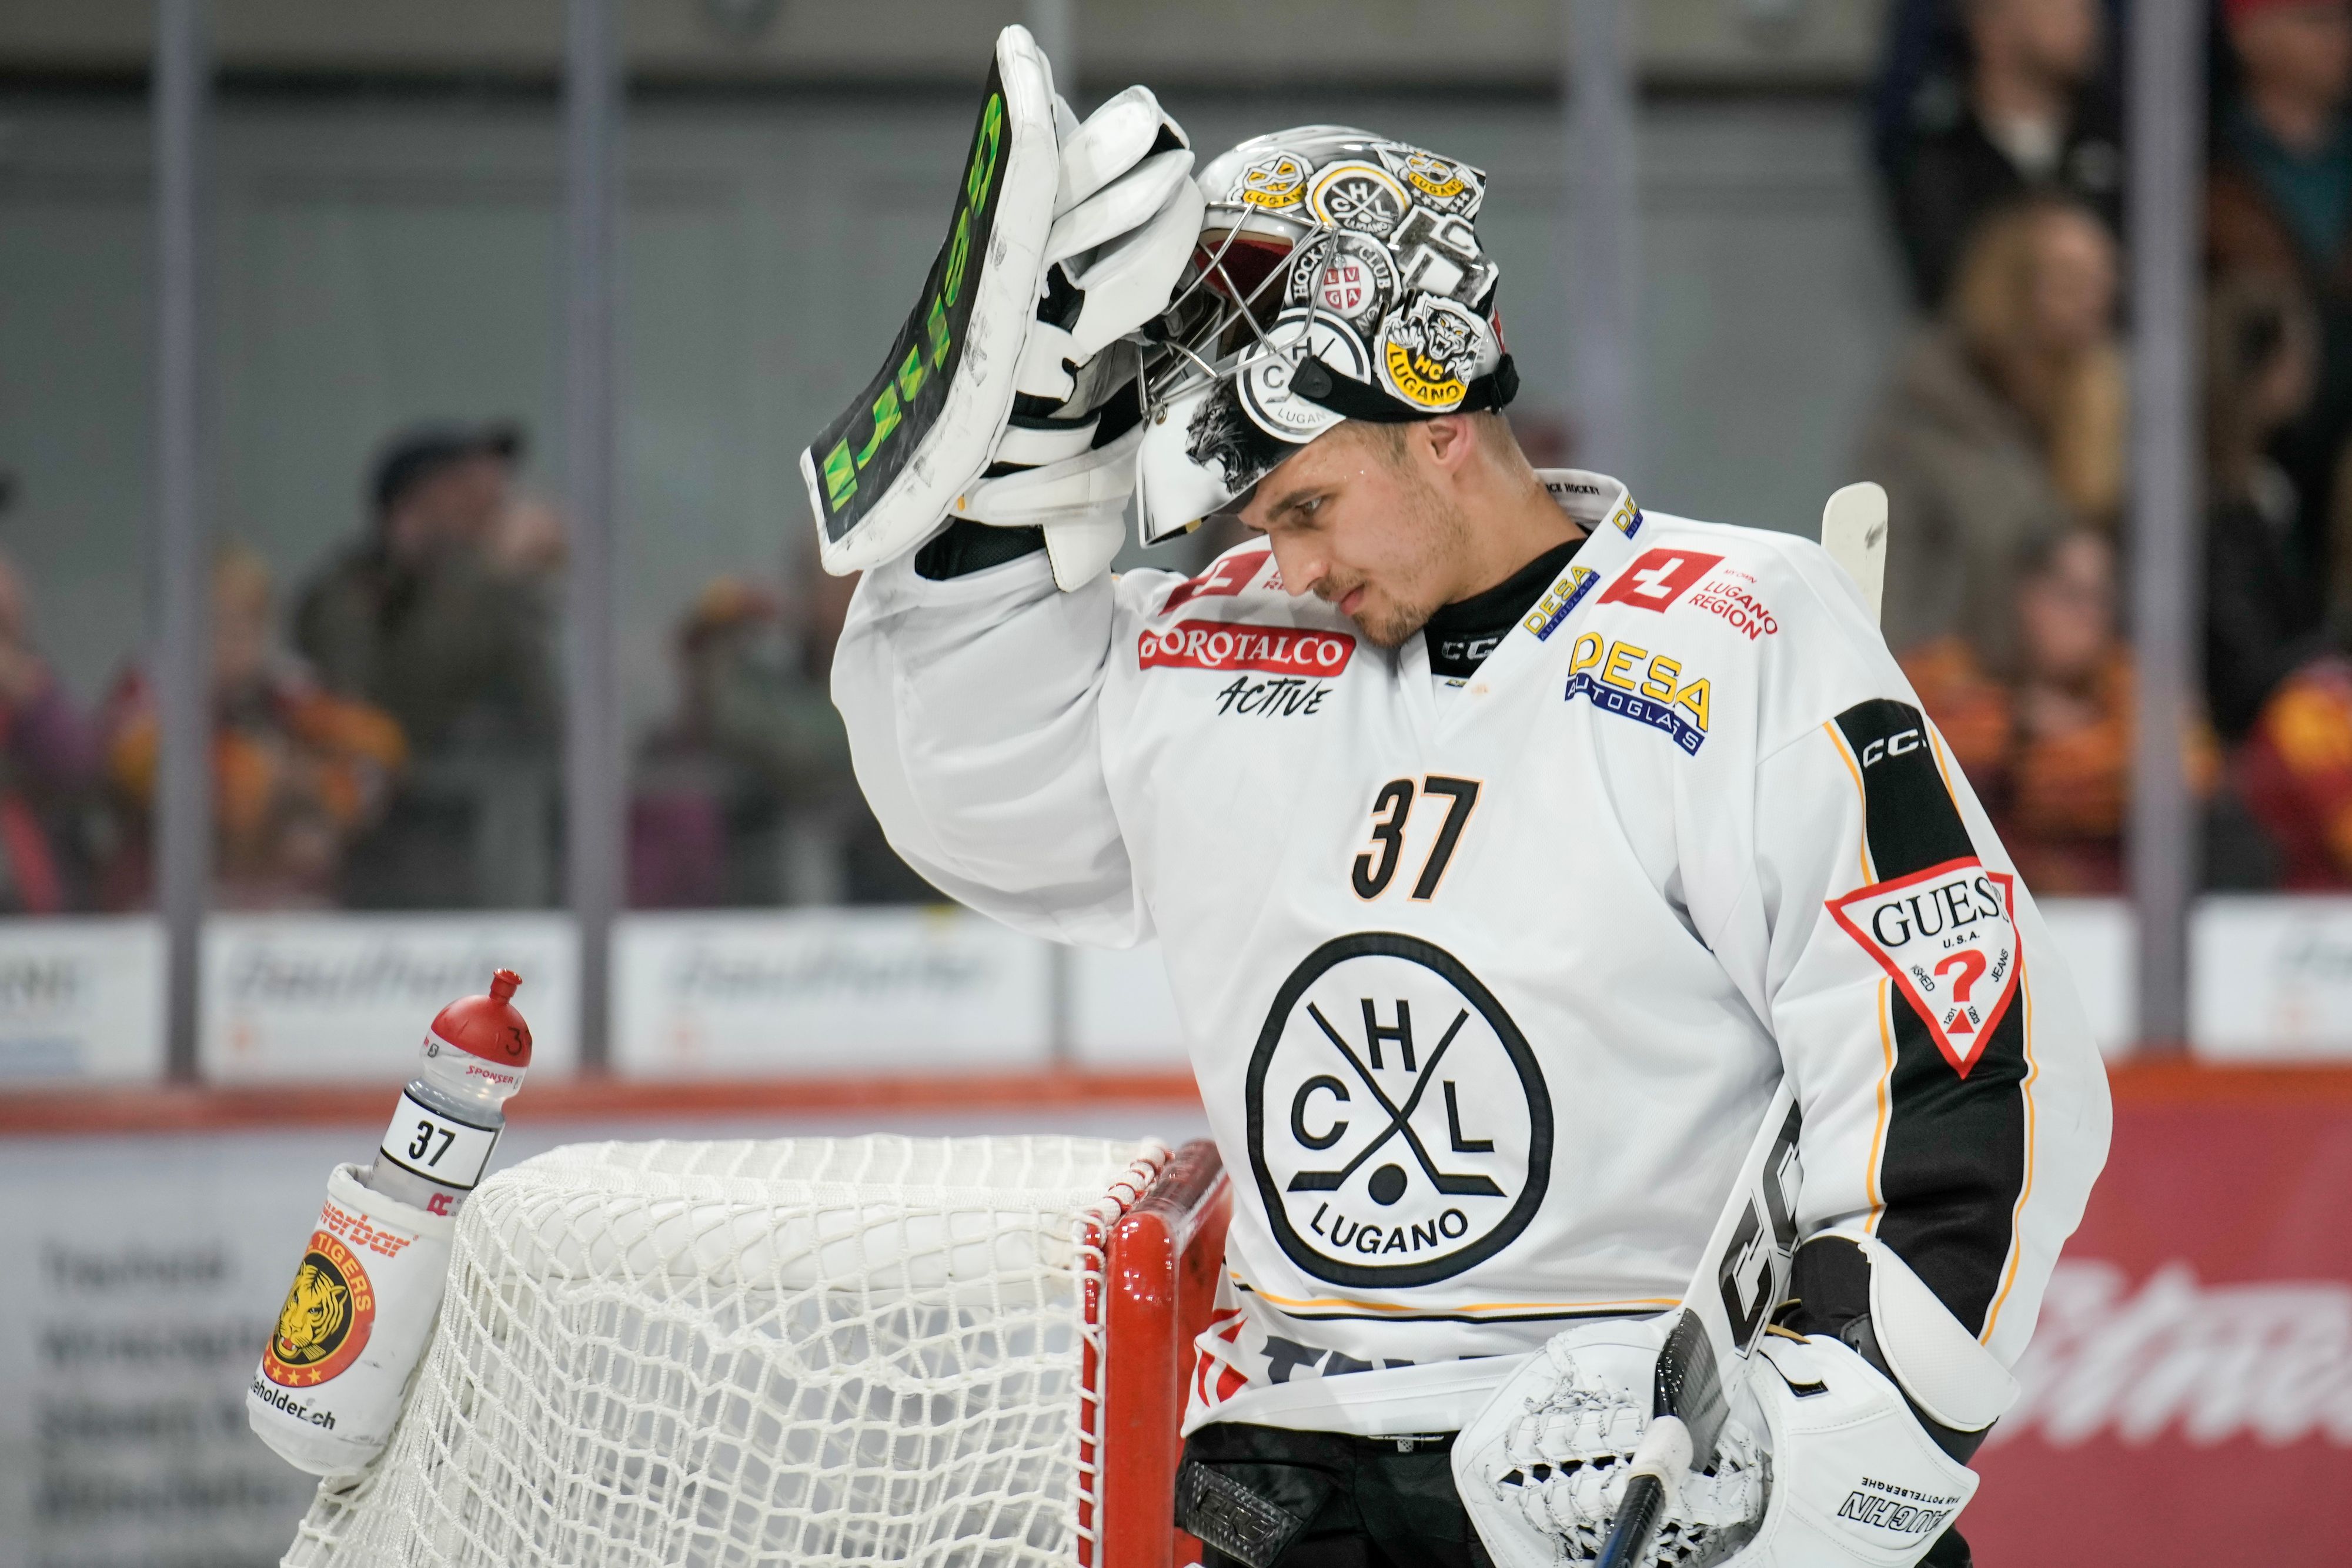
1159,1284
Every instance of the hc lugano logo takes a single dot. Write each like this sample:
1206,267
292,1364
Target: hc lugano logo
1400,1129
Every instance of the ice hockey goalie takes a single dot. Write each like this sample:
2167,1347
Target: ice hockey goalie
1508,844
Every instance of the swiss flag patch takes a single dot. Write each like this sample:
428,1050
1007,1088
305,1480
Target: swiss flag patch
1948,937
1657,579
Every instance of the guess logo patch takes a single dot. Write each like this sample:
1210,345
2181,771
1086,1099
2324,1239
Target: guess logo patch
1222,645
1948,937
1659,577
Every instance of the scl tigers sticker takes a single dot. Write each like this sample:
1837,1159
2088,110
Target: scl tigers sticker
1948,937
326,1319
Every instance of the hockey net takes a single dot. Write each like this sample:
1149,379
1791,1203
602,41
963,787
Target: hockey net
946,1351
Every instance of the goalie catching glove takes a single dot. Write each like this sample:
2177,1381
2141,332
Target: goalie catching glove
1008,397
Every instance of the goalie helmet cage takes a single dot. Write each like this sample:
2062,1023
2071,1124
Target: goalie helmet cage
940,1351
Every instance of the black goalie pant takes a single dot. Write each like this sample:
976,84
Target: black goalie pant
1263,1497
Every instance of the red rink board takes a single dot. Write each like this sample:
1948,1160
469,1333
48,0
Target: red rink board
2188,1392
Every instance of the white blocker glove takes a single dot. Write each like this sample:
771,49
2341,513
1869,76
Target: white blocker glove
1002,399
1542,1467
1855,1478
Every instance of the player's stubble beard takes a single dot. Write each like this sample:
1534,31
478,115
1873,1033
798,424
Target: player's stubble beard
1403,602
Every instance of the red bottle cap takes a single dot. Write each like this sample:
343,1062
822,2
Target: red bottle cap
488,1027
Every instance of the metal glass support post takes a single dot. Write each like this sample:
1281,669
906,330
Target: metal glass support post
2166,134
1603,247
1055,25
180,662
594,765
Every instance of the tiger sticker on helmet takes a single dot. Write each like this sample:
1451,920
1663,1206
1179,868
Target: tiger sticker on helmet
1429,353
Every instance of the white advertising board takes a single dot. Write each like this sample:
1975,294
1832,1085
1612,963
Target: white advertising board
81,1000
2094,936
323,996
1122,1013
827,992
2271,978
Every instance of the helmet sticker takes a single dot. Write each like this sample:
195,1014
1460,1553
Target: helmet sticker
1276,182
1438,254
1429,351
1354,194
1223,438
1439,182
1346,276
1266,385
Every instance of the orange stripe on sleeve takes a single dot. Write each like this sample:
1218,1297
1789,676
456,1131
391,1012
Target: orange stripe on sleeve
1878,1131
2016,1215
1862,834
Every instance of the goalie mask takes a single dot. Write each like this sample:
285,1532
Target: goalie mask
1339,276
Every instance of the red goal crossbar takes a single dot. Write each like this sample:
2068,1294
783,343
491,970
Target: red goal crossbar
1159,1282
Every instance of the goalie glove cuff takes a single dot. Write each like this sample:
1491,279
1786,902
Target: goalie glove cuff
1860,1291
1854,1478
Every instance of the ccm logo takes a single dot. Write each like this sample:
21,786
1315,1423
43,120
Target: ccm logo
1223,646
1894,745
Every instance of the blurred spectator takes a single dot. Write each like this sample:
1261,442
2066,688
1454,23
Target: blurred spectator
297,771
2021,104
2004,424
2047,743
48,765
2280,192
2277,682
2264,614
2279,203
441,616
746,796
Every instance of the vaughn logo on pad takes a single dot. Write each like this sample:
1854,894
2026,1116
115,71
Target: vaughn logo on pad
1948,937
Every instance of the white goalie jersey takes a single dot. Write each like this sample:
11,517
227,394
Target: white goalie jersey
1488,983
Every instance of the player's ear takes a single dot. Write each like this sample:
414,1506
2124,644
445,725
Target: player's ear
1451,440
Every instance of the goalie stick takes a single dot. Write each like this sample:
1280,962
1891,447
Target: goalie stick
1744,1273
1853,530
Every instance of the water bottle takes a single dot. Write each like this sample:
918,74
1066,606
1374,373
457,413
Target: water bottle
336,1370
450,1115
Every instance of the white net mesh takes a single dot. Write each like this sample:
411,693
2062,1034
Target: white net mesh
807,1352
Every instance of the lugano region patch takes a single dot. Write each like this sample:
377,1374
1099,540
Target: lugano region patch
1948,937
1400,1128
